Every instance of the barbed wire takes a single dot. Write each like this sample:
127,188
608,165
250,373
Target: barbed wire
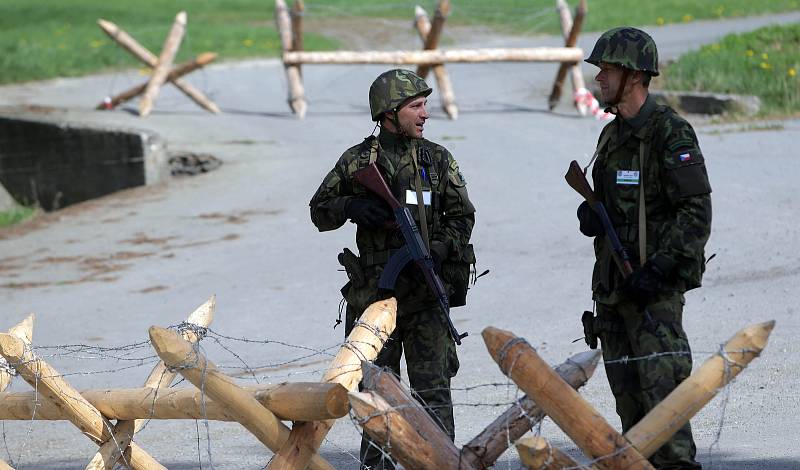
130,356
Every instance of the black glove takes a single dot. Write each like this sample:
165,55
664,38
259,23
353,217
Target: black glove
644,283
367,213
591,225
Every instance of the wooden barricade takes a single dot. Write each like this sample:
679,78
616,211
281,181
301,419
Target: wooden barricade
161,68
290,32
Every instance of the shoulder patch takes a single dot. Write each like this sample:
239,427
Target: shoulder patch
456,177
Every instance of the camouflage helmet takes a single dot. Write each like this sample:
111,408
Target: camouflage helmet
393,88
628,47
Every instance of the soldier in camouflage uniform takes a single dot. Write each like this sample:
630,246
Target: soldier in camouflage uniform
407,161
651,177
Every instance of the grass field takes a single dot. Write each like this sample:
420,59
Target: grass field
765,63
13,216
49,38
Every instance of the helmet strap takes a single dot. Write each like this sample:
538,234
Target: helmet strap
614,105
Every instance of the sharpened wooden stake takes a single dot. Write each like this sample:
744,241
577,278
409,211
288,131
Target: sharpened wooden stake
365,341
127,42
289,401
185,68
442,78
160,377
537,454
24,331
297,99
484,450
431,39
160,71
179,353
573,414
51,386
438,56
384,383
387,427
656,428
571,30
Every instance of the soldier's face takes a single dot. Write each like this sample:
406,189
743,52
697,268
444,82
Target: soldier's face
609,78
412,117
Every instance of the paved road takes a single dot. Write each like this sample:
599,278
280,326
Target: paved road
100,273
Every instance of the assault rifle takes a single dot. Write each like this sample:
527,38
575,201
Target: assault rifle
577,180
414,249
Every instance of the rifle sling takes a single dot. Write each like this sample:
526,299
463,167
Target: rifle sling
423,214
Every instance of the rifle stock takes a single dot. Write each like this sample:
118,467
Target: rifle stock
370,177
577,181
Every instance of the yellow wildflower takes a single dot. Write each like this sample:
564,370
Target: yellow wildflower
687,18
765,66
715,46
248,42
659,21
791,72
765,56
749,53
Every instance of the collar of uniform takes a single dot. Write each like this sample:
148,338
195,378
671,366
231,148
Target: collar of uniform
645,111
391,140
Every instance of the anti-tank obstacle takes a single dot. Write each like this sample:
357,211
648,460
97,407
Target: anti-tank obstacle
430,57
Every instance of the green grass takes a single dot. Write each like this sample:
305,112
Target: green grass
765,63
527,16
13,216
49,38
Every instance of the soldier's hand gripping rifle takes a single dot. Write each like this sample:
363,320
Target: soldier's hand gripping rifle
414,249
577,180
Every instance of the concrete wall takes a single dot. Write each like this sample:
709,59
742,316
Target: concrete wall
53,164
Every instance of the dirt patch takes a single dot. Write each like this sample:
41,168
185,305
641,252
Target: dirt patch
148,290
376,34
141,239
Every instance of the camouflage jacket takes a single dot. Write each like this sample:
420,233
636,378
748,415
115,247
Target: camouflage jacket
677,198
450,215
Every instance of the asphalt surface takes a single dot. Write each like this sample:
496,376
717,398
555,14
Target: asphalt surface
99,274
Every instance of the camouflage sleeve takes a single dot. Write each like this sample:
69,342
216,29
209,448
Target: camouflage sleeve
329,202
688,190
458,213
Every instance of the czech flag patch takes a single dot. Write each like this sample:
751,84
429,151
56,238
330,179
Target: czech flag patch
685,157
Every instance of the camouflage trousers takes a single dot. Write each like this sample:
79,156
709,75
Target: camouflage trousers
431,362
625,331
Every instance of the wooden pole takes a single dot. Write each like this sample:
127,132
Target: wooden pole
298,401
431,40
537,454
573,414
385,384
179,353
655,429
365,341
484,450
24,331
298,11
130,44
51,386
297,99
113,449
160,71
533,54
442,78
177,72
387,427
570,38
